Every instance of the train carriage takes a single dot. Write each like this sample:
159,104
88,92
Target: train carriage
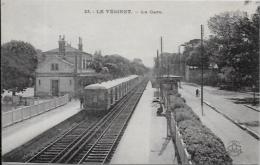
101,96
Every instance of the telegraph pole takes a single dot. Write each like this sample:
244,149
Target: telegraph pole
161,45
158,72
179,59
161,92
202,61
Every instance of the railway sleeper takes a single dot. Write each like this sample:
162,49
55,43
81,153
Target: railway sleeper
73,135
106,140
40,161
61,144
101,149
66,139
94,159
104,143
46,159
109,136
51,153
99,152
45,156
97,156
57,148
54,150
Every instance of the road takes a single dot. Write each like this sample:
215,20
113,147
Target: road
222,127
224,102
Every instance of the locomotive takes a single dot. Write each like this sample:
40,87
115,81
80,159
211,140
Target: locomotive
102,96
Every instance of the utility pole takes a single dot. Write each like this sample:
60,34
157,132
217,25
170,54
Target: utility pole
161,75
161,45
179,60
158,72
202,63
168,67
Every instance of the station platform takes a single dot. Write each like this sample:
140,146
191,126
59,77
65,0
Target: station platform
18,134
145,139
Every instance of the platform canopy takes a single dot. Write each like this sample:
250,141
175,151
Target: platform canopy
169,78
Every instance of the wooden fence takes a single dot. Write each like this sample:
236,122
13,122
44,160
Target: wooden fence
177,138
20,114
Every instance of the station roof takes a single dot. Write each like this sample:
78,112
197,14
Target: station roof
169,78
110,84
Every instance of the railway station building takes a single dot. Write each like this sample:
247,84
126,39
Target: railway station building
61,69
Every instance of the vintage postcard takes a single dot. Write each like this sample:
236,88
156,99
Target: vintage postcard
130,82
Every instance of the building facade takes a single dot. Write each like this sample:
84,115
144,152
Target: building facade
61,69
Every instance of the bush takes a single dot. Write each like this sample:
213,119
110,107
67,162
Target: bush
180,116
178,103
187,112
202,144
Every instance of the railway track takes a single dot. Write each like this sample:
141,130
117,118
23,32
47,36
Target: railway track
92,141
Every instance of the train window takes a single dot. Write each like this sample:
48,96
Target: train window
116,93
95,99
111,96
101,96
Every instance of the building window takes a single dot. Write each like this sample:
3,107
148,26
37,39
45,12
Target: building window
88,64
39,82
54,67
84,64
70,82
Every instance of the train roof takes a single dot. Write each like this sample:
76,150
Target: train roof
110,84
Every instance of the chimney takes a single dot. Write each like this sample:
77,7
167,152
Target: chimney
80,44
62,45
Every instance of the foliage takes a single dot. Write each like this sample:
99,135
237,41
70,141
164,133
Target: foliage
18,64
236,39
203,145
117,65
178,103
233,48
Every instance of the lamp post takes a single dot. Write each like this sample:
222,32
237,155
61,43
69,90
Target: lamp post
202,61
179,48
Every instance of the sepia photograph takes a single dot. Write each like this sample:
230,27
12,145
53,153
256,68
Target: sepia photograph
130,82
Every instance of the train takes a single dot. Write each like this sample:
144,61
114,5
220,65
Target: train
100,97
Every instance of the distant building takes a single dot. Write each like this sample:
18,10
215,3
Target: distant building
60,70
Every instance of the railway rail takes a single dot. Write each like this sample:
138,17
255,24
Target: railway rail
92,141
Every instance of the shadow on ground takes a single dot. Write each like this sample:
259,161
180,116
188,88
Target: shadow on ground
245,100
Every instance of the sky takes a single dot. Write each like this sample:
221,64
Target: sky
132,35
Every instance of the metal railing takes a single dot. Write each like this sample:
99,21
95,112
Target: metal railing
20,114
